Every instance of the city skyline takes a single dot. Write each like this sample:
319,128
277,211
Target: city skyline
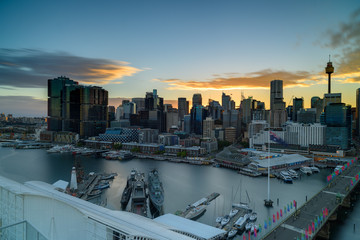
178,48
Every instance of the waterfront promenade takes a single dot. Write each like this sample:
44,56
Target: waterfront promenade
336,193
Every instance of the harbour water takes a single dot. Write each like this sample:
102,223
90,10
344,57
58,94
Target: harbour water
183,184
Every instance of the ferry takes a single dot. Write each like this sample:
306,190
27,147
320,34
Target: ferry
249,172
286,177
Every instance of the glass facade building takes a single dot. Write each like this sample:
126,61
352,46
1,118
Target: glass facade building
76,108
337,117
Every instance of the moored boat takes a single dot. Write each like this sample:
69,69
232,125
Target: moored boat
306,170
218,219
232,232
225,220
233,212
156,191
253,216
315,169
293,173
249,172
94,193
196,212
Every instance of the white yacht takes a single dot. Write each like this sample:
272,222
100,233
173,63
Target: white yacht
233,212
315,169
225,220
232,233
253,216
293,173
306,170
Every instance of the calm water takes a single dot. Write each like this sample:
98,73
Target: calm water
183,183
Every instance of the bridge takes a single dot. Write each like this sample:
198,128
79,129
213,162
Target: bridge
329,201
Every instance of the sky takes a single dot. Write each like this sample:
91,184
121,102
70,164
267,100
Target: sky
130,47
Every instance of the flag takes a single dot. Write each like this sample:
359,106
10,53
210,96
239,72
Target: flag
259,228
284,209
288,209
255,232
249,235
294,203
291,205
274,218
244,237
277,215
265,225
277,139
309,230
280,212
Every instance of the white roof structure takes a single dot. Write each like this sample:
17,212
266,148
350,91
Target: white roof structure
57,215
199,202
192,228
61,184
282,159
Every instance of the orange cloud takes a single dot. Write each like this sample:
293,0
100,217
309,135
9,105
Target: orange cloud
255,80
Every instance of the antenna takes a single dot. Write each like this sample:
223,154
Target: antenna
329,57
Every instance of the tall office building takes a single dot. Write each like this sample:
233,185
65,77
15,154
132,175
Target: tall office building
197,99
198,114
140,104
215,109
278,114
318,104
357,113
225,101
337,117
298,103
331,98
246,110
183,107
76,108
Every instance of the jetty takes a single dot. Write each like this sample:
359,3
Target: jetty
202,202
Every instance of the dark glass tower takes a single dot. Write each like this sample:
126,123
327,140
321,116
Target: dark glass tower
76,108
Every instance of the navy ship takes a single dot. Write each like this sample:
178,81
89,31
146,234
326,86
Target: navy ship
139,197
128,189
156,191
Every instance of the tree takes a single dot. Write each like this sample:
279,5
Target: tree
181,154
117,146
222,144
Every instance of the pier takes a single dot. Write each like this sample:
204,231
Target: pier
203,201
336,196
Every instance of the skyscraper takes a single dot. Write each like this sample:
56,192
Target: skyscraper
298,103
76,108
278,114
197,99
183,107
337,117
225,101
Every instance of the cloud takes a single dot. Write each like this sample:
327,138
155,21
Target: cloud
255,80
31,68
23,106
347,38
347,32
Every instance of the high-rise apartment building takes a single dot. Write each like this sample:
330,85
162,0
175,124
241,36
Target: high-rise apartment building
76,108
208,126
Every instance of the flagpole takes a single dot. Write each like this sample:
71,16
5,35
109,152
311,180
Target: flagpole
268,202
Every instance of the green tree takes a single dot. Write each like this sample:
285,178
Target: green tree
222,144
117,146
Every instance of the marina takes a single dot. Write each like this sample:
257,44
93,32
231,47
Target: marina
39,165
